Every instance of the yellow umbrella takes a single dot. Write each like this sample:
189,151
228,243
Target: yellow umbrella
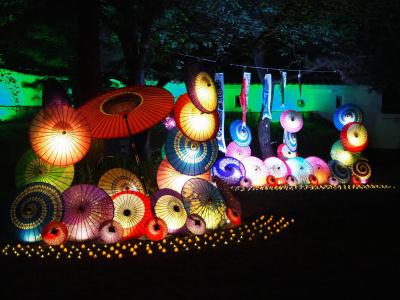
118,180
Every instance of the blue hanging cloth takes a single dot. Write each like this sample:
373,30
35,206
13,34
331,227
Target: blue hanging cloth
283,86
266,97
219,84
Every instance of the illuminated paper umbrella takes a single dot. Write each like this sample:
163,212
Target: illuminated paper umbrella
190,157
86,208
347,158
202,91
156,229
354,137
35,205
60,135
300,168
119,179
238,152
55,233
193,123
137,107
291,120
256,170
240,133
168,177
245,182
347,113
339,171
290,140
132,211
202,198
168,206
111,232
320,169
228,169
278,168
195,224
30,168
362,169
284,152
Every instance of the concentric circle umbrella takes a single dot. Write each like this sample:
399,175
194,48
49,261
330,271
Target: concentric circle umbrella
190,157
60,135
320,169
354,137
347,158
202,198
291,120
132,211
195,224
290,140
119,179
230,198
277,167
284,152
168,177
35,205
228,169
363,170
168,206
55,233
245,182
111,232
156,229
31,168
202,91
86,207
339,171
300,168
255,170
125,111
347,113
240,133
236,151
193,123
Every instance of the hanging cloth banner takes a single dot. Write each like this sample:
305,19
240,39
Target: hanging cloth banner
219,84
244,93
299,82
283,86
266,97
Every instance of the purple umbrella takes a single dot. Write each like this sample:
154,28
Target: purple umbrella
111,232
195,224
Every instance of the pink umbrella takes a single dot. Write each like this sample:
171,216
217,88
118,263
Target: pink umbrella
320,169
291,120
236,151
255,170
277,167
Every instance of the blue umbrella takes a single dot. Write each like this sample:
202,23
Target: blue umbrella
229,169
190,157
347,113
240,133
35,205
290,139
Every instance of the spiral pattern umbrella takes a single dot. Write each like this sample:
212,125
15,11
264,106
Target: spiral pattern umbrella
245,182
320,169
228,169
202,91
284,152
60,135
132,211
54,233
240,133
290,140
193,123
339,171
111,232
35,205
156,229
238,152
363,170
168,206
256,170
354,137
291,121
86,207
195,224
168,177
347,113
125,111
300,168
190,157
119,179
30,168
202,198
277,167
347,158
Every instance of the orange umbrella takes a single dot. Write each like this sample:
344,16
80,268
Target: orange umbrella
60,135
202,91
192,122
139,107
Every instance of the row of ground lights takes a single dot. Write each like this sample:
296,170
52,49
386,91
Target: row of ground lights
314,187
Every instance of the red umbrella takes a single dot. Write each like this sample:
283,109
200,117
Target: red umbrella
55,233
156,229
